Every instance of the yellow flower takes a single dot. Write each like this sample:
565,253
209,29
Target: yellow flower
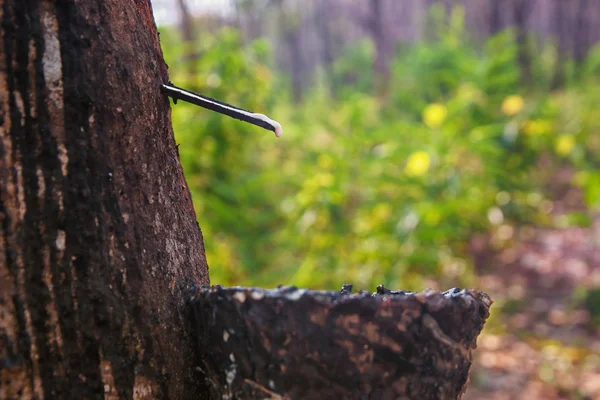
434,115
417,164
564,145
325,180
512,105
382,212
537,127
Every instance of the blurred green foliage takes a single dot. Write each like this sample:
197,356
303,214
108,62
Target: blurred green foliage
368,189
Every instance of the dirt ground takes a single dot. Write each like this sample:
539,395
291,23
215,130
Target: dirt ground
543,338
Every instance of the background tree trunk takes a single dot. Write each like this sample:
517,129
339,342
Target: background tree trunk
581,43
187,22
560,22
98,236
380,38
323,18
495,17
521,11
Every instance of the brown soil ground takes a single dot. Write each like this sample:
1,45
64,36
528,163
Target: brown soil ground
543,339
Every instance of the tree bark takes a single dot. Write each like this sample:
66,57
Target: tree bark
521,12
495,17
291,37
323,21
187,22
98,238
379,34
299,344
560,24
581,35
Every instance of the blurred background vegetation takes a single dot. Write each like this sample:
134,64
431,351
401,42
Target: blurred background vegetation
459,147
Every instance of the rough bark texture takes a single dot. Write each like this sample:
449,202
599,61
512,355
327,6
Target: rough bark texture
377,27
97,231
521,12
298,344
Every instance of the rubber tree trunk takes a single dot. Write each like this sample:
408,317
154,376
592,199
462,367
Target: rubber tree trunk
98,236
300,344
